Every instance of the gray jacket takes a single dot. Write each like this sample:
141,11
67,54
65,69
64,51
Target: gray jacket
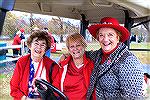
120,77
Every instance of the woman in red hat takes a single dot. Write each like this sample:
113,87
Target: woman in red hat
117,73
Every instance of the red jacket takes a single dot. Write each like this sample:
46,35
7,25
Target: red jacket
61,77
20,78
17,41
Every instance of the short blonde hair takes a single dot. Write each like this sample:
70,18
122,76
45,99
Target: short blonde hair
76,37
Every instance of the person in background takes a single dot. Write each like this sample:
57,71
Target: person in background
22,33
16,41
117,73
74,76
146,85
48,52
22,39
32,66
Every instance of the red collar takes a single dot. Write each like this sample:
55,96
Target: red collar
106,54
66,61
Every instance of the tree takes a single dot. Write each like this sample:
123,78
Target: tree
10,24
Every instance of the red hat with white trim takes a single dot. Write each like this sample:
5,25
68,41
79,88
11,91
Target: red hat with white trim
109,22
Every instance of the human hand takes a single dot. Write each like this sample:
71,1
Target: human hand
27,98
63,57
33,99
23,97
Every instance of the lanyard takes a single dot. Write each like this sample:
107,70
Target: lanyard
38,71
33,76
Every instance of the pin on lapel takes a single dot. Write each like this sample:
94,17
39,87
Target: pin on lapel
109,61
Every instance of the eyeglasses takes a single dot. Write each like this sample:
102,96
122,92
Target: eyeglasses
42,45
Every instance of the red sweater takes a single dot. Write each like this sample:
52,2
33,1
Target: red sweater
20,78
74,82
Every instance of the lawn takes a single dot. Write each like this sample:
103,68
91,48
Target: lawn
4,87
144,56
140,45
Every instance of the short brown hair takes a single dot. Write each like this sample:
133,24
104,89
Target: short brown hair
74,37
40,35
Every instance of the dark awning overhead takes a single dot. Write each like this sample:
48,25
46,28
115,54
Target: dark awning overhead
93,9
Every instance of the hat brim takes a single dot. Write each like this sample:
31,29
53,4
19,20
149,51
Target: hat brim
124,32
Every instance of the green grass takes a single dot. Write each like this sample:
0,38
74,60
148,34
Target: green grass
4,87
140,45
144,56
93,46
2,76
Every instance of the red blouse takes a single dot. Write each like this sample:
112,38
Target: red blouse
76,88
76,81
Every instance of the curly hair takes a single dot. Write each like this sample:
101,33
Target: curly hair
40,35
